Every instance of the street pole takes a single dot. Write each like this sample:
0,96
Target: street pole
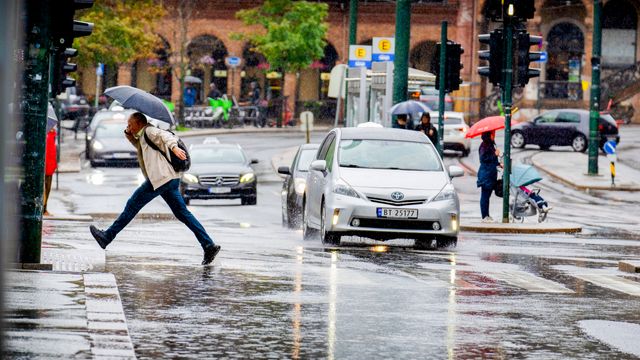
34,112
595,88
353,22
401,60
506,99
441,85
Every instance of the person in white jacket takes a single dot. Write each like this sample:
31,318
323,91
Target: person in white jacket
161,180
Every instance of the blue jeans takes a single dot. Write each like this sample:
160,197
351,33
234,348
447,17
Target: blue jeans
171,194
484,200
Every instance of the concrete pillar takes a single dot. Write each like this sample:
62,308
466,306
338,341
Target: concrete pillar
124,74
290,85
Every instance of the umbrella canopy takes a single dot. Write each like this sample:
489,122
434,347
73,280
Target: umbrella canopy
52,118
523,175
409,107
192,79
134,98
490,123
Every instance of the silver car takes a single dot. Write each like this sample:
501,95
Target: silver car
382,184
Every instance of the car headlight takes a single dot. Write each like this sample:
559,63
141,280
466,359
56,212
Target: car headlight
446,194
97,145
190,179
299,184
247,178
344,189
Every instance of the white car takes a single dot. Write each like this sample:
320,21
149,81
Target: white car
383,184
455,130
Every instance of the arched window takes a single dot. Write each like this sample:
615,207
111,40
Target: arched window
154,74
206,61
565,46
255,67
422,56
619,33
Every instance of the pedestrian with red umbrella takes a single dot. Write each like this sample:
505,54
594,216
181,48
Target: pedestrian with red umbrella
50,166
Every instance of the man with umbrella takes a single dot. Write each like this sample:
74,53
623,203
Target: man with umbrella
161,178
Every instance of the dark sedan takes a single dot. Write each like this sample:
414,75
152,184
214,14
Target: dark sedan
295,183
220,171
108,146
563,127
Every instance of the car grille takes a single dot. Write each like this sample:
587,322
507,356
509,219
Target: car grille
396,224
396,203
219,180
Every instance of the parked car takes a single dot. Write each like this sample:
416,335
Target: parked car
108,145
295,183
100,116
381,183
563,127
430,97
220,171
455,129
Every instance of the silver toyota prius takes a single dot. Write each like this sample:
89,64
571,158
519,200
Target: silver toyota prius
382,184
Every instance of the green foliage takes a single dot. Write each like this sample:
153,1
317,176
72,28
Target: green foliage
122,33
294,32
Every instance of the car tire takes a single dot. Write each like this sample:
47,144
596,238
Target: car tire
517,140
447,242
422,244
579,143
544,147
249,200
328,238
307,232
93,164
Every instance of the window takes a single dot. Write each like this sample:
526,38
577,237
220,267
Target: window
325,146
304,160
330,154
568,118
388,154
547,118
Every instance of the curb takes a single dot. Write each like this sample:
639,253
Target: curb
511,228
141,216
68,218
194,133
629,266
576,186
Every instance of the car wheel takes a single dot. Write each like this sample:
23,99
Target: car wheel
327,237
517,140
422,244
307,232
579,143
447,241
544,147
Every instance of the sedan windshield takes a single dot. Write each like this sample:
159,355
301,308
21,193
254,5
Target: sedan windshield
384,154
110,130
306,157
217,155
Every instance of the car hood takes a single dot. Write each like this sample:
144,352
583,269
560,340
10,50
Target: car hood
209,168
116,144
394,179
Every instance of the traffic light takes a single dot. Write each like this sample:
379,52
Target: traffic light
523,57
494,56
452,68
60,81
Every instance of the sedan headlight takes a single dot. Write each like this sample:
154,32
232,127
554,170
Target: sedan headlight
190,179
445,194
299,184
341,188
97,145
247,178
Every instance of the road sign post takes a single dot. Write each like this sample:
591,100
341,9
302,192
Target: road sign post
441,85
306,124
595,88
401,60
506,99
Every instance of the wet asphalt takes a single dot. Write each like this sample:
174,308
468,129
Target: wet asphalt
269,294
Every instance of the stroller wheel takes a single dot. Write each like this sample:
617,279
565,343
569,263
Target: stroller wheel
542,216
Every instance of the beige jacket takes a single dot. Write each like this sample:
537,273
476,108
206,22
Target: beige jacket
154,166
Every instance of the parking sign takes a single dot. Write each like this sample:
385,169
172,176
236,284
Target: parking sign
383,48
360,56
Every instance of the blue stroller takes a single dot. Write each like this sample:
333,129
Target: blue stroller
523,201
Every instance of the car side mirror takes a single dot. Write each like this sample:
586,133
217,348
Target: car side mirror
254,161
319,165
455,171
284,170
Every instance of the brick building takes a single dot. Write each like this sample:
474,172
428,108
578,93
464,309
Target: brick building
565,25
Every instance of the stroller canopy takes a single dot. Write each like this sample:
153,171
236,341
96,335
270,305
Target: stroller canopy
523,175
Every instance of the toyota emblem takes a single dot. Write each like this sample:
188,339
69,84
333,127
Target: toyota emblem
397,195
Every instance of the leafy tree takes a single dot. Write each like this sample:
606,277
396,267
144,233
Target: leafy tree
293,33
122,33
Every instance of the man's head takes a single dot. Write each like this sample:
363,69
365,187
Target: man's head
136,122
426,118
212,86
402,119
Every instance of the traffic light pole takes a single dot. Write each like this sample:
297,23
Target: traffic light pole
595,88
507,101
442,92
353,22
34,99
401,60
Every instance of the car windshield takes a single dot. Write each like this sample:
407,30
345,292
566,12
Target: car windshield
223,155
447,120
101,116
306,157
110,130
386,154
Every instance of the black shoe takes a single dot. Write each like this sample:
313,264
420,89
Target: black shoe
210,254
100,237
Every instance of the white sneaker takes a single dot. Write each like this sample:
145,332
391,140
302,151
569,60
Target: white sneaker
488,219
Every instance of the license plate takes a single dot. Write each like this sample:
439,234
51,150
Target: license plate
397,213
121,155
219,190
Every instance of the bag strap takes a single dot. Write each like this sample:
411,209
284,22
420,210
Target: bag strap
154,146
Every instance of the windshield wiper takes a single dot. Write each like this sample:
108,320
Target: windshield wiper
350,165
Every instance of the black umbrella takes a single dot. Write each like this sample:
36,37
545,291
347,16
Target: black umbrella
134,98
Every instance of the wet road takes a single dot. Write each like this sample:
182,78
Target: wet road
270,294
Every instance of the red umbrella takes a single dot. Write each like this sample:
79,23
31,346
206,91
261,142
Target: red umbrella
490,123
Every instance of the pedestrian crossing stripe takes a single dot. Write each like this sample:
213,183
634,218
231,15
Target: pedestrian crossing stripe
529,282
612,282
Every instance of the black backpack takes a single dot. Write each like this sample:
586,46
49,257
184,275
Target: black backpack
178,164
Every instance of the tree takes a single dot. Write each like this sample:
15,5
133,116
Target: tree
122,33
293,33
184,12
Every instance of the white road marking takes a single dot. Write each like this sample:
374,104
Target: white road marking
612,282
529,282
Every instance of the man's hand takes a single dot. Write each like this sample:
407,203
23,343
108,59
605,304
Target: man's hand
129,136
179,153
